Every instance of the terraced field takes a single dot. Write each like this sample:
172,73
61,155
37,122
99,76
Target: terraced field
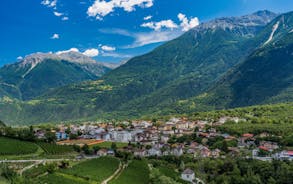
136,173
95,170
16,147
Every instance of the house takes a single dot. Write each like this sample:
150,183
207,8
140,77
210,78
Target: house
205,152
165,138
110,153
268,145
188,175
247,135
154,152
102,152
284,155
121,136
61,135
178,151
140,153
215,153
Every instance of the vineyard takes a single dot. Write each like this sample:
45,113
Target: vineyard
96,169
55,149
16,147
136,173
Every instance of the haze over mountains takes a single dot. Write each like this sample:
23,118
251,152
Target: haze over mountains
224,63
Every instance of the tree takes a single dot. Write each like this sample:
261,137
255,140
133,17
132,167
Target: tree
73,136
225,147
50,137
51,168
114,146
85,149
76,148
96,148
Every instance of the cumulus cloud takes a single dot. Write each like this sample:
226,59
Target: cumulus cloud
66,51
57,14
159,25
91,52
19,58
101,8
108,48
50,3
65,18
148,17
187,24
55,36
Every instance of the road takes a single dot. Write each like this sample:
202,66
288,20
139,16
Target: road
38,160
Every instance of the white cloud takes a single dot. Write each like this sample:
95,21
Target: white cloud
57,14
19,58
187,24
66,51
55,36
142,39
159,25
65,18
49,3
148,17
117,55
88,52
101,8
108,48
91,52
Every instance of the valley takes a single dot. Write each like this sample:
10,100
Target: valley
211,106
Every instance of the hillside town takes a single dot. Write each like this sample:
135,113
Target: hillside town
178,136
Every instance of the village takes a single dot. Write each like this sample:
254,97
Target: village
177,137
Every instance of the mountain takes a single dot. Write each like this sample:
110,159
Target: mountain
2,124
266,76
183,67
37,73
172,78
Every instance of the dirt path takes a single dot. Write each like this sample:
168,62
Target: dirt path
29,167
116,173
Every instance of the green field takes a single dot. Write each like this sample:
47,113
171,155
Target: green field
97,169
136,173
61,178
108,144
16,147
55,149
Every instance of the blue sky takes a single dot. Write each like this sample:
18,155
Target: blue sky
109,30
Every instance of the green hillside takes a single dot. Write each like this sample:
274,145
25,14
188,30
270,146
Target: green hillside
264,77
40,73
219,64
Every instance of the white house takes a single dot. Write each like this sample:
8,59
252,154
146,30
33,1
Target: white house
154,152
121,136
188,175
284,155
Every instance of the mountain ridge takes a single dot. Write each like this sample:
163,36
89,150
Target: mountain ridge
176,77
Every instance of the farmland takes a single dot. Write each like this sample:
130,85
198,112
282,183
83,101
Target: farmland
16,147
80,142
55,149
61,178
108,144
96,169
136,173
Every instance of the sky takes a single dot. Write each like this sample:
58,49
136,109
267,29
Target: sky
109,30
